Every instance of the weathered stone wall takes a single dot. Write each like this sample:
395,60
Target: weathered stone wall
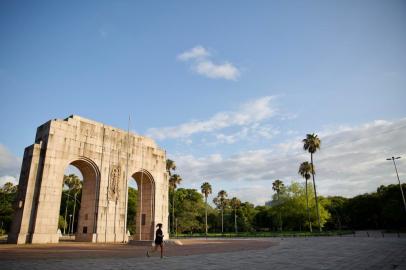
102,153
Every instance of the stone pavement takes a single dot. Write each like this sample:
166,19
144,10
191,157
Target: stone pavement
264,253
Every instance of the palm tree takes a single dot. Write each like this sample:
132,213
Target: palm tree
76,188
311,143
9,188
170,166
221,201
66,181
277,186
174,181
235,203
74,184
206,190
305,170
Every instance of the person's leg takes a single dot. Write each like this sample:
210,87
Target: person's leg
162,250
155,248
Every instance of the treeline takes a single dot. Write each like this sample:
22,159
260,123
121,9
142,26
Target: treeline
381,210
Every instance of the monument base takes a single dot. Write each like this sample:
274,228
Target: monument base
45,238
19,239
83,237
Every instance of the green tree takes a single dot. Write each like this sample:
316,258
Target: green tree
277,186
391,212
235,203
305,169
132,210
8,194
246,213
292,205
9,188
336,206
74,185
170,166
311,144
190,210
62,223
382,209
364,211
263,219
221,201
174,181
206,190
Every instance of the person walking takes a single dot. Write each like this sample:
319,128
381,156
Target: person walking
159,237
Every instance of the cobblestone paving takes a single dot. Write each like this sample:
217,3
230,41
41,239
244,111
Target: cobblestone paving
283,253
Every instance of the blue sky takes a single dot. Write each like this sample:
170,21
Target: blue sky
221,85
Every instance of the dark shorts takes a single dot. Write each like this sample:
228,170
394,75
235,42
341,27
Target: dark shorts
158,242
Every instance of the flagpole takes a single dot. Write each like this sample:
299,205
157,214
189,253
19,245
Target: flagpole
126,181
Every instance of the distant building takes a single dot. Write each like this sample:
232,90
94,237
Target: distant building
269,203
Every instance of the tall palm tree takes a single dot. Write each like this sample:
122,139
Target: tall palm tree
170,166
174,181
221,201
76,188
235,203
311,144
277,186
206,190
74,184
305,170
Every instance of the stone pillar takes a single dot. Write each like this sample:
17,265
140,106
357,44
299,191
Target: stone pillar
26,204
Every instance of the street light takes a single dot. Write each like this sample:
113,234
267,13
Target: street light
400,186
70,222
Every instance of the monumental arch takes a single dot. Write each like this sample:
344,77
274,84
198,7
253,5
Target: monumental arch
108,158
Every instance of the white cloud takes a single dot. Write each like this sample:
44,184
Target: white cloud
8,178
9,166
194,53
201,64
252,132
217,71
249,113
254,193
351,161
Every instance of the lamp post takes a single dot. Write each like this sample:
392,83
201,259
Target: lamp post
400,186
66,212
70,222
74,208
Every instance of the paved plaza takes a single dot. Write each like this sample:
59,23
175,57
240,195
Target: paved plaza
264,253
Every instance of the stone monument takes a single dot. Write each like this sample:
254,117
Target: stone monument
108,158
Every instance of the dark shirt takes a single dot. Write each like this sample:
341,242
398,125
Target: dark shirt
159,236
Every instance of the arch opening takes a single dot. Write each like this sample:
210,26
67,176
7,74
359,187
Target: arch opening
78,210
142,228
132,202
